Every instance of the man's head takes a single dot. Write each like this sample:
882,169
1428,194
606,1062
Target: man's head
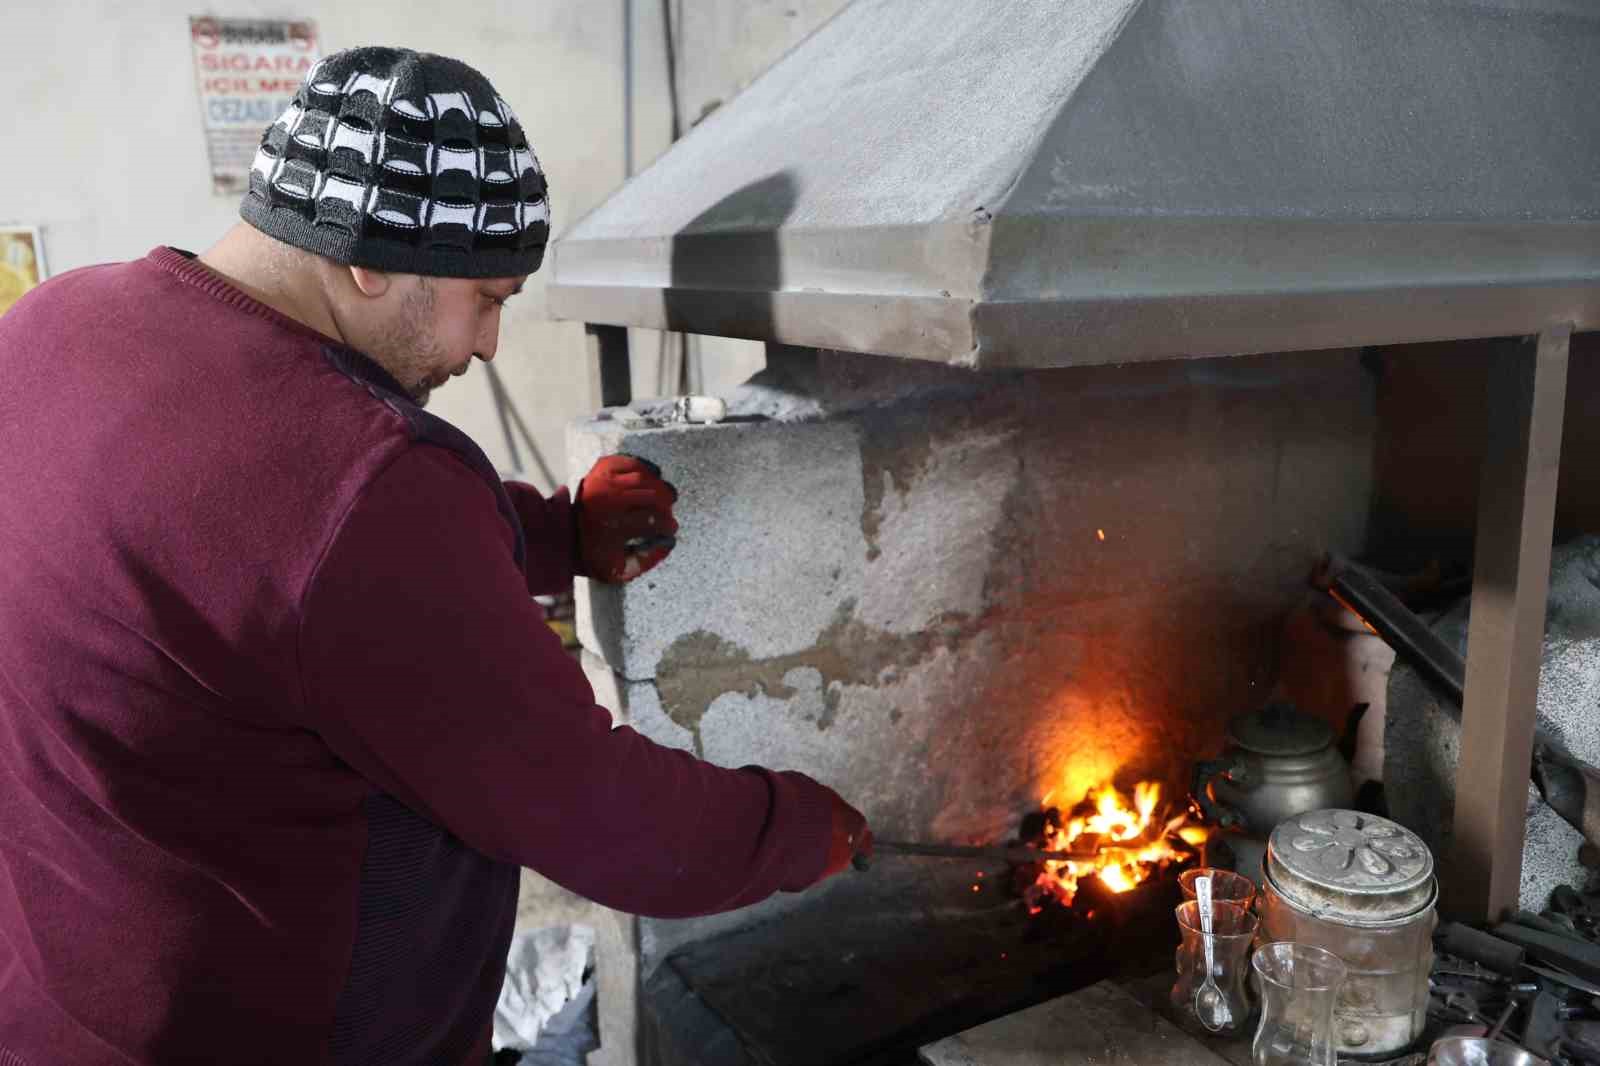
412,186
424,330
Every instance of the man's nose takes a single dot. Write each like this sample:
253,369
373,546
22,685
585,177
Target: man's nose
488,341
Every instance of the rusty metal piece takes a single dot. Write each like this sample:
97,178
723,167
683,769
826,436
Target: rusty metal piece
1360,591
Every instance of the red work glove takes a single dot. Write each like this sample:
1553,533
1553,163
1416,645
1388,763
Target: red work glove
623,515
851,838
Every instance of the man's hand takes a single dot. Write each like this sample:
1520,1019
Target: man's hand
852,838
623,514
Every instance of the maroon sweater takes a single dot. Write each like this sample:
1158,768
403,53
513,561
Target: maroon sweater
279,720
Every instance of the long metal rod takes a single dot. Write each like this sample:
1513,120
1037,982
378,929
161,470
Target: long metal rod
1019,855
1505,637
1400,628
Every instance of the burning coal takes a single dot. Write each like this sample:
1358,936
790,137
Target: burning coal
1130,838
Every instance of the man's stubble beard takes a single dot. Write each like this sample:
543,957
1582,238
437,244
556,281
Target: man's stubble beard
408,345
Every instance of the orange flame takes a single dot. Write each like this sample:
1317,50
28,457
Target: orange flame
1131,841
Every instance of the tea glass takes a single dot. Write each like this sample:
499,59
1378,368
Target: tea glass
1220,1006
1225,885
1299,986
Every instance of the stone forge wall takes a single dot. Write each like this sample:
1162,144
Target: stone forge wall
947,595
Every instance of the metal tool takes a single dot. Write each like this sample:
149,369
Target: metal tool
1578,984
640,545
1464,1005
1017,855
1500,1022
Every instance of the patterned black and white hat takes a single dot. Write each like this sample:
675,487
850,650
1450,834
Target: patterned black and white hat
402,161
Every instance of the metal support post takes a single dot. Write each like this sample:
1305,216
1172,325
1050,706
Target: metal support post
608,351
1505,638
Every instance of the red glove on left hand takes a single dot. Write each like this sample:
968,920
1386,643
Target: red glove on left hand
623,513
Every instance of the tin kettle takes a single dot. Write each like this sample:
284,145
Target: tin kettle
1279,762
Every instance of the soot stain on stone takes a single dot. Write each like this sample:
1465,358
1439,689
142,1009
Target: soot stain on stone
896,447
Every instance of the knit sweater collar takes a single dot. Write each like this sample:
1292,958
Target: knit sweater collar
187,268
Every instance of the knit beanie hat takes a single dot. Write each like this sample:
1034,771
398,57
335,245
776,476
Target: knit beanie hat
401,161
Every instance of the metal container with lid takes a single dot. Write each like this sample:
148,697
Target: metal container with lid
1363,888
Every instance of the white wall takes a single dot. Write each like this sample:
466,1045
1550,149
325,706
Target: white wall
105,150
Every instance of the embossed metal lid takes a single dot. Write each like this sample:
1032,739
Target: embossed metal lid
1350,867
1279,729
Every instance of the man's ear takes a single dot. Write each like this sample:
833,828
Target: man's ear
373,283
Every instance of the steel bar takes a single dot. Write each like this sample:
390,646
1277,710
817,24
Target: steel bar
608,350
1505,637
1578,957
1397,624
1018,854
1485,949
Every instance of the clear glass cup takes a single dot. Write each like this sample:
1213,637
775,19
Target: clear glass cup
1299,986
1225,885
1219,1006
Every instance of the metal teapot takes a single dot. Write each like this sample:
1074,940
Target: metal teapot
1279,762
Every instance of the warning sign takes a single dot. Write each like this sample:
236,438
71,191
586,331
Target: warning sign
247,71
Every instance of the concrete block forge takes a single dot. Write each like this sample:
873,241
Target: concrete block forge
952,595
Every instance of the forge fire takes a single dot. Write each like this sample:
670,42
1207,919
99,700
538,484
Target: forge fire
1125,840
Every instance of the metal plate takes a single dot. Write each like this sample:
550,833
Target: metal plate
1349,866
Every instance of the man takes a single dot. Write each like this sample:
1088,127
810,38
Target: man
279,720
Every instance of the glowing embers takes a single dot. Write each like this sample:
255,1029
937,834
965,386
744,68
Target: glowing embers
1131,838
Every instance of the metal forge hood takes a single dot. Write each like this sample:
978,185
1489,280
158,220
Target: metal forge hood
999,183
